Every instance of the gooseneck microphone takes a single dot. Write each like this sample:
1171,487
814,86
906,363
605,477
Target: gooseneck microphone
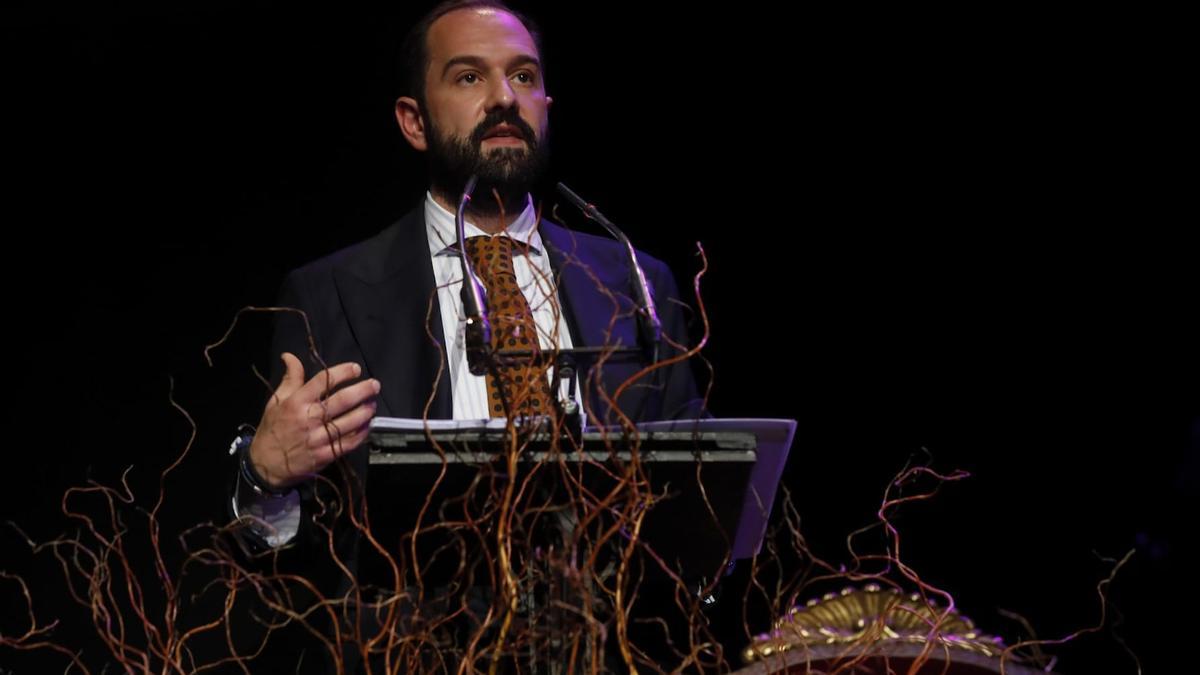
649,324
474,297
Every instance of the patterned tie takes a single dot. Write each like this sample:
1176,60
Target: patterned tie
523,381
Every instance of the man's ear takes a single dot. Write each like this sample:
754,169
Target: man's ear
412,125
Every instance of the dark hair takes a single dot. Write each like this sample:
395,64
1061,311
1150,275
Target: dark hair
414,51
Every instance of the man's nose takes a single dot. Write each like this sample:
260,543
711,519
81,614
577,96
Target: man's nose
500,94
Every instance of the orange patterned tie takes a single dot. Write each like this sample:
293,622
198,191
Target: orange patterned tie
523,381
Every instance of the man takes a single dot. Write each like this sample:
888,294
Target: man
387,311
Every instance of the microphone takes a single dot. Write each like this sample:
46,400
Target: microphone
649,324
474,296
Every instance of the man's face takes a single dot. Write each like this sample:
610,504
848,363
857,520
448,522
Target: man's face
485,104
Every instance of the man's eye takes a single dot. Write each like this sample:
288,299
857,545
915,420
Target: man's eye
524,77
468,78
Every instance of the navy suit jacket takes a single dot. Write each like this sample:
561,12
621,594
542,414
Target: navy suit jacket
374,303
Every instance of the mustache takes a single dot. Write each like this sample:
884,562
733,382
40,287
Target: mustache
507,116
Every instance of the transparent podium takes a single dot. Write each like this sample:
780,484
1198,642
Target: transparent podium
563,543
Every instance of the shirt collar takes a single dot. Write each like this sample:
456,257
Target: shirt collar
443,236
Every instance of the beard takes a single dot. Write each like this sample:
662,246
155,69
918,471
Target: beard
510,172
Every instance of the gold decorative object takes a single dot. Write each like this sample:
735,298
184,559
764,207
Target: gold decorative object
875,619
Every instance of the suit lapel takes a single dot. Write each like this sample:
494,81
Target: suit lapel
387,292
593,285
592,289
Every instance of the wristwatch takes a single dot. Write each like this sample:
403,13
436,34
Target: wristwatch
246,473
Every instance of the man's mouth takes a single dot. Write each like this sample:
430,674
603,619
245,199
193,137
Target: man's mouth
505,134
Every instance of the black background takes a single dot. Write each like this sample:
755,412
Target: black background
953,234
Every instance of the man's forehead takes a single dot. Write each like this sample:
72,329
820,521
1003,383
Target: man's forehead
468,31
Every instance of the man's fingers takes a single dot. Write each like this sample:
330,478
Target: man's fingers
329,380
345,400
350,422
327,453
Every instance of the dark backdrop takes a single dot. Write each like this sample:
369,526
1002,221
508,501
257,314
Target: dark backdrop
944,234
